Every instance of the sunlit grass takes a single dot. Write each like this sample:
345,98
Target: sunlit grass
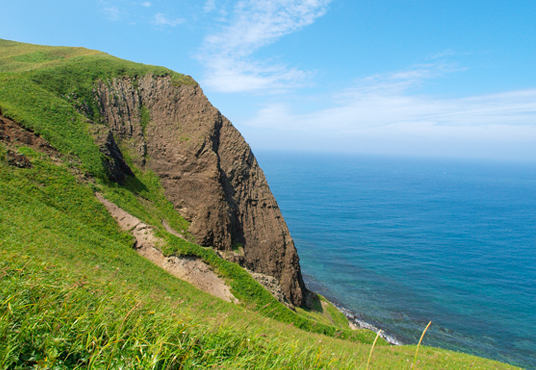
74,294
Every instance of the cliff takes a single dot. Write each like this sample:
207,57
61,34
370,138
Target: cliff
207,169
162,121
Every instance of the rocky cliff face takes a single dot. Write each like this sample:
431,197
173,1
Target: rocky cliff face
207,170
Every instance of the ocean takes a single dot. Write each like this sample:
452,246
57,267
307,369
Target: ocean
404,241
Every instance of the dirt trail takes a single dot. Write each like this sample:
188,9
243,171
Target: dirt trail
190,268
171,230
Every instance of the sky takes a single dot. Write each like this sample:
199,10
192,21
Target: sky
427,78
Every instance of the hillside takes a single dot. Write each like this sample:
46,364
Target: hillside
79,125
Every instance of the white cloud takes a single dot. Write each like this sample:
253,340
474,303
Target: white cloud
161,20
227,55
380,115
210,5
146,4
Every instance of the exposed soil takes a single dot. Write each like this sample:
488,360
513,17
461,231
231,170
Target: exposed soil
14,134
189,268
18,160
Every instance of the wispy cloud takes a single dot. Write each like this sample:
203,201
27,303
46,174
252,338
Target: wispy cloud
210,5
146,4
113,13
381,114
160,19
442,54
227,54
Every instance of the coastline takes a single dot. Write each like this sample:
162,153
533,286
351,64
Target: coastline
354,319
356,323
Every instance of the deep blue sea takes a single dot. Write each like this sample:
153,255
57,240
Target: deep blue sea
402,241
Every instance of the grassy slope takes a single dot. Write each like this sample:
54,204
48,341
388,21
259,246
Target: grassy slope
64,263
52,77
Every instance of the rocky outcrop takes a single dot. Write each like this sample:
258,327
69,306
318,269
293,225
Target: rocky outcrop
272,285
115,164
207,170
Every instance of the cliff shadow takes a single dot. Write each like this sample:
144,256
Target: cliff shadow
134,185
313,302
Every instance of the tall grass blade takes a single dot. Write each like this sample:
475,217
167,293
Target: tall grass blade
419,345
372,348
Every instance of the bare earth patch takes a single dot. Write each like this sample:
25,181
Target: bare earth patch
13,134
189,268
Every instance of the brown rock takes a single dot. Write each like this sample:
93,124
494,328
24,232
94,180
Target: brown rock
207,170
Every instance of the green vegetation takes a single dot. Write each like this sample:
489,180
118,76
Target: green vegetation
74,294
52,118
238,248
255,297
144,118
143,197
324,311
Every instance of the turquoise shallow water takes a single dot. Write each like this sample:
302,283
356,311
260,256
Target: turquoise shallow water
403,241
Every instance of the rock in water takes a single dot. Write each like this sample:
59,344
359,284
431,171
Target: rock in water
207,170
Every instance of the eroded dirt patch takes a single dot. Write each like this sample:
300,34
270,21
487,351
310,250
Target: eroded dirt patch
18,160
14,134
190,268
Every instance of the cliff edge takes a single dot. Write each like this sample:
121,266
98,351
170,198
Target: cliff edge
207,169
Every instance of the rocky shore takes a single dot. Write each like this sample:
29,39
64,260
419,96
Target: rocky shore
357,323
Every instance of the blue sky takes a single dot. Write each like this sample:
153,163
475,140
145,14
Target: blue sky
450,78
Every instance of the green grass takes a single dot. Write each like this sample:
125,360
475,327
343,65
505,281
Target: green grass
74,294
52,118
53,319
325,312
75,77
54,186
143,197
144,118
76,63
70,246
255,297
